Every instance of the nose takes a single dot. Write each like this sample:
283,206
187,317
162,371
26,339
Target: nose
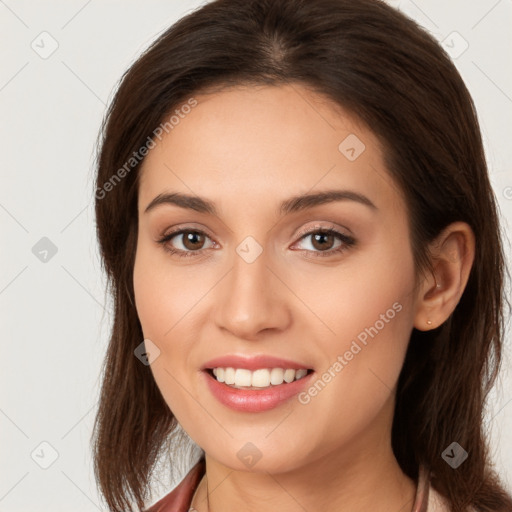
252,299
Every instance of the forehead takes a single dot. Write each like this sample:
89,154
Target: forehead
262,142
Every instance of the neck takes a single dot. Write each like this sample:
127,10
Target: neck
348,479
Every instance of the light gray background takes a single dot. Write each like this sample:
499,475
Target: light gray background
55,316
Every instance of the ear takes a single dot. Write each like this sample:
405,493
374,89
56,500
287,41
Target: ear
452,255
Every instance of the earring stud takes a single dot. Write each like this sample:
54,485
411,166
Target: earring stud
429,322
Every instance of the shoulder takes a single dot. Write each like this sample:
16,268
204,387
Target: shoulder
179,499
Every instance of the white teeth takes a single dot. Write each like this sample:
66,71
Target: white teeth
300,373
289,375
276,376
261,378
242,377
229,375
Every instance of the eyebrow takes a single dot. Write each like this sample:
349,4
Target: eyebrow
294,204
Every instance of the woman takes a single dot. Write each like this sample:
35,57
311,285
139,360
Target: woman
295,216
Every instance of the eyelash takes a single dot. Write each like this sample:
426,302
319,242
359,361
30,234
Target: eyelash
347,242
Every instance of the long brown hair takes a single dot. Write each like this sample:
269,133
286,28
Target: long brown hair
390,73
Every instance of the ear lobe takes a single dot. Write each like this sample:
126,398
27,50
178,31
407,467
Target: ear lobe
452,254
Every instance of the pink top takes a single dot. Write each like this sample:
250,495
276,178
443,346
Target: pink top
179,499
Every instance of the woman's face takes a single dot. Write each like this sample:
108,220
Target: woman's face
256,278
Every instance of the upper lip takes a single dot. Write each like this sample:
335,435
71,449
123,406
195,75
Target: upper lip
252,362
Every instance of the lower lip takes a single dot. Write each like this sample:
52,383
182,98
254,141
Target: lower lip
255,400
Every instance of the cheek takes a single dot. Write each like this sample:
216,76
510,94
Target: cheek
354,390
163,296
160,310
365,356
168,305
376,327
148,288
367,298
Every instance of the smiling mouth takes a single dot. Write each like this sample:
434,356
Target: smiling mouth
262,378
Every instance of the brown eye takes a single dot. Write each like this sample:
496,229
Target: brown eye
193,240
186,242
325,242
322,241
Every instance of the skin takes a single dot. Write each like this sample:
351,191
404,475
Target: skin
247,149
